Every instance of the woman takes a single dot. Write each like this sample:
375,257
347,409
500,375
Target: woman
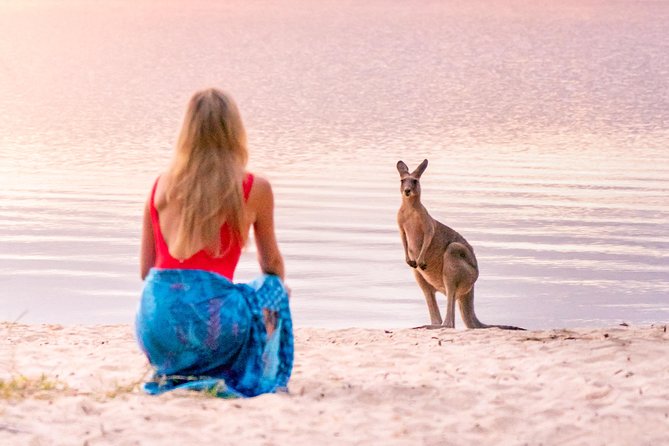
198,329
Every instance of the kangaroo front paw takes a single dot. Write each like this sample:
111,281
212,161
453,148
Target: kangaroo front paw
412,263
423,266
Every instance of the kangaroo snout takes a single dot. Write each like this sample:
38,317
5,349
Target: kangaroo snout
410,186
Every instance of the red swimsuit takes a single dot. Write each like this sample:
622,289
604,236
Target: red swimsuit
224,265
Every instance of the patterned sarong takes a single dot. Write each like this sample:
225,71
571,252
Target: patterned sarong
202,332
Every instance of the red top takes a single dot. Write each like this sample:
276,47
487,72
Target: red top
224,265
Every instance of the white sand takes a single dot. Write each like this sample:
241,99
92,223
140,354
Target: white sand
355,386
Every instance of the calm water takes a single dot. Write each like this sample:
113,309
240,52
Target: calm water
546,127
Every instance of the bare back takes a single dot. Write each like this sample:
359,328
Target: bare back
259,210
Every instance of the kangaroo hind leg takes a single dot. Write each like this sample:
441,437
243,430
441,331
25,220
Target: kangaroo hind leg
430,298
451,277
451,289
467,312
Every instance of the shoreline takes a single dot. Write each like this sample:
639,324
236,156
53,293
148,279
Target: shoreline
350,386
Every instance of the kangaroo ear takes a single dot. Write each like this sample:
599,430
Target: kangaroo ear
420,169
402,169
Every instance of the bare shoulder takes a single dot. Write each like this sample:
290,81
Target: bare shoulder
160,185
261,196
261,183
261,189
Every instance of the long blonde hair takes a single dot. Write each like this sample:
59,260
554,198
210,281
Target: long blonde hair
206,174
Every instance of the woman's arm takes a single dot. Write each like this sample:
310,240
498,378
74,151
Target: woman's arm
147,256
269,256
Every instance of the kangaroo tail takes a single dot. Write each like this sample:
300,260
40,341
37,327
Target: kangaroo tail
504,327
469,316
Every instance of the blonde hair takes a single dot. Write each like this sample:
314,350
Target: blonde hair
206,175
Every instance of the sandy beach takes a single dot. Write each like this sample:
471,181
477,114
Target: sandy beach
80,385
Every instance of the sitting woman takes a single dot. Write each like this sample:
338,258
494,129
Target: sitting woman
198,329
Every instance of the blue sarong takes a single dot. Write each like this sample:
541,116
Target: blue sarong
200,331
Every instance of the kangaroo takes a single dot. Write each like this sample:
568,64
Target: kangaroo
441,258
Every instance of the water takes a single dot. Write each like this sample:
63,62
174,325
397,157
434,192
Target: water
546,127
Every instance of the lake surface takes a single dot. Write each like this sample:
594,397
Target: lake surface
546,127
